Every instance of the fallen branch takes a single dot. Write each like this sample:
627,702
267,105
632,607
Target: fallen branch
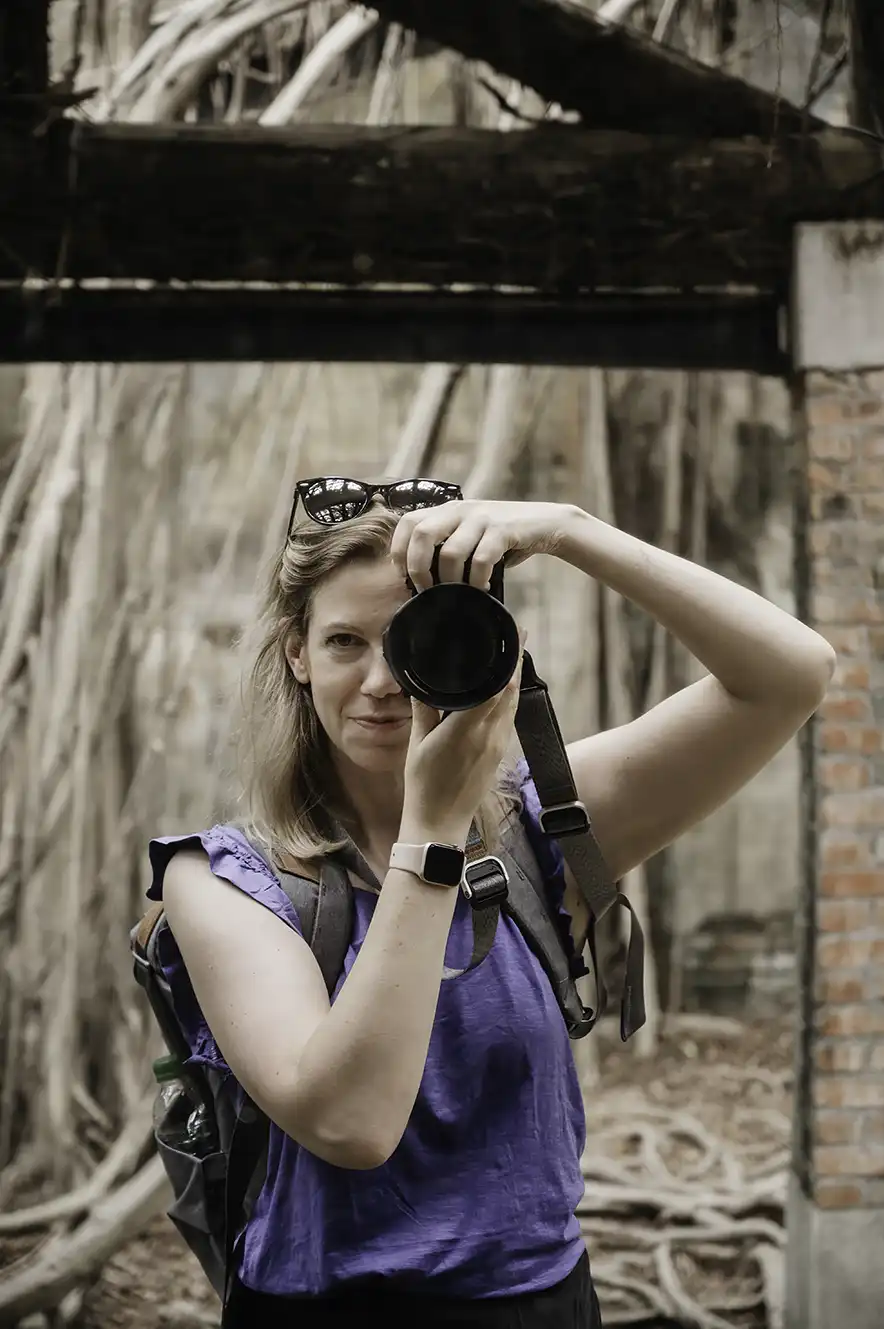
118,1160
35,1284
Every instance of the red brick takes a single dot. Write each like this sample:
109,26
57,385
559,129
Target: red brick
864,808
830,445
839,576
844,952
838,1195
846,849
847,641
846,609
824,477
848,1091
851,1021
850,404
836,1127
833,988
871,506
848,1160
820,410
851,674
846,708
856,403
868,475
837,1055
844,776
850,738
871,1127
872,445
851,885
844,915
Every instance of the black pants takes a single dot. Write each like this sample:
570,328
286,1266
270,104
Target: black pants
570,1304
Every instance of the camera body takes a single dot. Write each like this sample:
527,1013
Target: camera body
453,646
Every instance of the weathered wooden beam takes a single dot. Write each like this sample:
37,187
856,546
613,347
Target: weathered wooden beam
193,323
615,77
553,209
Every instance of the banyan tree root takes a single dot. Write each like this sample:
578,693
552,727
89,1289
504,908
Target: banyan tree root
64,1262
683,1210
683,1220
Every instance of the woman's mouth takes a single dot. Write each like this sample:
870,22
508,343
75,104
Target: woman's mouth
383,724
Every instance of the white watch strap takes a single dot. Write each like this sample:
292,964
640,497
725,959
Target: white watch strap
409,858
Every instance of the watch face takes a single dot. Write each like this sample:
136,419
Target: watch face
444,864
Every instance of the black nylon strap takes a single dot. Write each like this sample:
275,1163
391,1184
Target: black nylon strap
147,969
544,749
248,1146
328,930
484,920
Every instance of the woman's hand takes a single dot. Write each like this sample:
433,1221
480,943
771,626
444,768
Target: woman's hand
452,763
486,529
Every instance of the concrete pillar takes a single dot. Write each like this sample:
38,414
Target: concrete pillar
835,1216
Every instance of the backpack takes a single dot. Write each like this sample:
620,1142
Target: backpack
214,1194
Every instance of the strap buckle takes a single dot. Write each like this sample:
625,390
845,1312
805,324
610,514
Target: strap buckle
485,882
563,819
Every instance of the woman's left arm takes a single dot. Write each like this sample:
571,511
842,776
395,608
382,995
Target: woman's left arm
647,782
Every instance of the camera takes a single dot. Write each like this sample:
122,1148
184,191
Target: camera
453,645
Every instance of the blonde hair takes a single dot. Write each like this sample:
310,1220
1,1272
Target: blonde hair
295,800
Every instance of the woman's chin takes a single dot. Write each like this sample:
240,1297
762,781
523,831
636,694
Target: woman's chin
387,757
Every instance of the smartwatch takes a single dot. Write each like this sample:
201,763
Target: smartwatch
436,864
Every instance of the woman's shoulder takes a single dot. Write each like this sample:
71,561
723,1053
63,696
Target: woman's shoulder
222,840
233,857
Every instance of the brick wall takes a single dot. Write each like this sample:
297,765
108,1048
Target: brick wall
839,1138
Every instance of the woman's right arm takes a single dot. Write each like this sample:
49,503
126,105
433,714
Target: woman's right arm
341,1079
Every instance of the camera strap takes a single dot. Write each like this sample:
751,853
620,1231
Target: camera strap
564,818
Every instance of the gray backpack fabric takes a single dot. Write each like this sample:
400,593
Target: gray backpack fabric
214,1195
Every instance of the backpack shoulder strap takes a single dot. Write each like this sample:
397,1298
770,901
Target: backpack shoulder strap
325,910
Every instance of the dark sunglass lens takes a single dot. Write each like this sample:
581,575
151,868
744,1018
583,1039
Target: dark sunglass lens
332,501
411,494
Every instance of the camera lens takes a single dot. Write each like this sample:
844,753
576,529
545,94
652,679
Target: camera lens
452,646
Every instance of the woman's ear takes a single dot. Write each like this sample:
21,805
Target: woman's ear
295,654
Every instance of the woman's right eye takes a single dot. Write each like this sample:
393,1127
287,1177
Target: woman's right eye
340,637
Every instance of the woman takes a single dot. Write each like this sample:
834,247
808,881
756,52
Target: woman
425,1153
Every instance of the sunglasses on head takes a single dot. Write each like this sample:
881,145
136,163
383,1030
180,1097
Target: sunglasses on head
331,499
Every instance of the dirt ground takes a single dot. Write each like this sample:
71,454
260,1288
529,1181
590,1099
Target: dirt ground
155,1283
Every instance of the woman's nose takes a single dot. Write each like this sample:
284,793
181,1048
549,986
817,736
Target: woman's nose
379,678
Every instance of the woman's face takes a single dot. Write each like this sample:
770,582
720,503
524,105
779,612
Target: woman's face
359,704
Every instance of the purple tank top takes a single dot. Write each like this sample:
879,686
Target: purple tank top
479,1198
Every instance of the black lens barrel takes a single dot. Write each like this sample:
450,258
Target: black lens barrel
453,645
